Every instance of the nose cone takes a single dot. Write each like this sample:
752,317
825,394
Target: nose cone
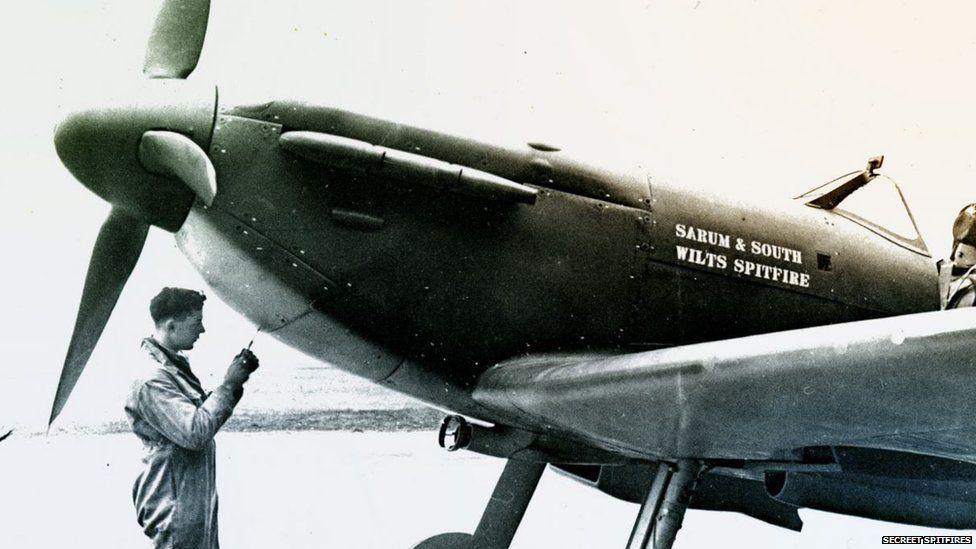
99,144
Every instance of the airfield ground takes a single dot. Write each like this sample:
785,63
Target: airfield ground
315,489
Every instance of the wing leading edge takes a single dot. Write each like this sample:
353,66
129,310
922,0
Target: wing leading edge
903,383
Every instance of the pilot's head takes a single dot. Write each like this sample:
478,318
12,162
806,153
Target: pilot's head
964,238
964,256
178,314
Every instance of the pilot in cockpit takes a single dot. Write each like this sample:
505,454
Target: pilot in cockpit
957,277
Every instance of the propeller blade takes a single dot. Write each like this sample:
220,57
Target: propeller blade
116,252
177,38
176,155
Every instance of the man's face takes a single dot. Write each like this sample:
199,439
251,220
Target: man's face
184,332
965,256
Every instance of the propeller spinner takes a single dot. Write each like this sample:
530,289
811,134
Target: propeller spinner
146,159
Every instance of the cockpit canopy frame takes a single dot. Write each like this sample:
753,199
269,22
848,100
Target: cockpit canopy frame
831,195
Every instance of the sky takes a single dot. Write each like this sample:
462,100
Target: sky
759,99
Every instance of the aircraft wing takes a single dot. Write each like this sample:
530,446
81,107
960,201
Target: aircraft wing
904,383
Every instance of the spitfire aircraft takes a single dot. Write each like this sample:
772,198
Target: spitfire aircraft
664,346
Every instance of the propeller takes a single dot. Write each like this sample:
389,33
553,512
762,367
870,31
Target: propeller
123,234
151,176
177,39
176,155
116,252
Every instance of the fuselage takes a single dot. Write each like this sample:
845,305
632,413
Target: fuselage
422,289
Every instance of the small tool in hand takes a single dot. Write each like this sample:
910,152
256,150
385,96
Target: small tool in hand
252,339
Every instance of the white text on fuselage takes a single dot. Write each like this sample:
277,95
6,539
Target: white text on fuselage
740,265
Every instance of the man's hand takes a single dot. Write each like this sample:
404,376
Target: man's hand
241,368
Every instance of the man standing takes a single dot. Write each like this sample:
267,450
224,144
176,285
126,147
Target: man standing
175,496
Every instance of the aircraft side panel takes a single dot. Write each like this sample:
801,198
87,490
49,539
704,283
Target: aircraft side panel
738,268
444,280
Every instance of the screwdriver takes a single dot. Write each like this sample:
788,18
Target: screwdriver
252,339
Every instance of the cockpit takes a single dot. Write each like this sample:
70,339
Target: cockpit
873,201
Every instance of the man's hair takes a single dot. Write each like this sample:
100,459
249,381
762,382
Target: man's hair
175,303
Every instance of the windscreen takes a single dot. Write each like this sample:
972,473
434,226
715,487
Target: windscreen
880,202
